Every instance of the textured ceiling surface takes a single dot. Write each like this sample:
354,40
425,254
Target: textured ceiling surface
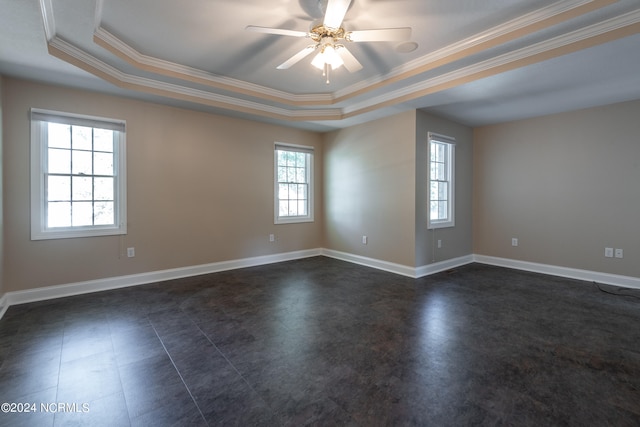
474,62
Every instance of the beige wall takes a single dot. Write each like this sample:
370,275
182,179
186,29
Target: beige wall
376,185
566,185
456,241
200,190
370,189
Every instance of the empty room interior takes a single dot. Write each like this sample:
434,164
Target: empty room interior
319,212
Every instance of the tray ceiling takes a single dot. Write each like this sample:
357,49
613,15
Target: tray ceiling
475,62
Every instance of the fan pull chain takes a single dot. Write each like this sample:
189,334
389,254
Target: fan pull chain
325,72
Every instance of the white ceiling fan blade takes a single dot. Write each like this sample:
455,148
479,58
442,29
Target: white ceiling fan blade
277,31
296,58
350,62
381,35
336,9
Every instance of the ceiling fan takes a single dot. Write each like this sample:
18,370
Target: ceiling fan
328,37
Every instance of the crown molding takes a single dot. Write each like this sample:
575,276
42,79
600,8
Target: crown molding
110,42
262,101
46,10
72,54
509,31
593,35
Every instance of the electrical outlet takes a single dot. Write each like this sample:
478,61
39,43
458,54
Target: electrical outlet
364,240
439,243
272,238
131,252
608,252
514,241
619,253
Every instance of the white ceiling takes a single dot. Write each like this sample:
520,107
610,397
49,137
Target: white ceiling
477,62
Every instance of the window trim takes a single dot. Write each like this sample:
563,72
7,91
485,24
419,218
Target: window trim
451,142
39,144
310,177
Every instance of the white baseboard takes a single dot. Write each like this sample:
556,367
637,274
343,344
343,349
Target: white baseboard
404,270
554,270
401,269
78,288
51,292
439,266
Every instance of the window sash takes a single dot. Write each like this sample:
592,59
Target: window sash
293,183
441,181
40,115
93,200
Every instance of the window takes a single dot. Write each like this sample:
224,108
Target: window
78,183
441,181
293,183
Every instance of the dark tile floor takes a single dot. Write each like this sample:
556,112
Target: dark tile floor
323,342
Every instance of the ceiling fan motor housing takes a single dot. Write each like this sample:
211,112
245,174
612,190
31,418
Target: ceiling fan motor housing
320,32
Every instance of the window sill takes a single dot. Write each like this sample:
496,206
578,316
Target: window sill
72,234
292,220
441,225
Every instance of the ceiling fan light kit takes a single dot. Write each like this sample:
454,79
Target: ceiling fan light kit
327,41
327,37
328,57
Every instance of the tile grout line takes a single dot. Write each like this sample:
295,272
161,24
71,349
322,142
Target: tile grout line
179,374
64,331
115,356
275,414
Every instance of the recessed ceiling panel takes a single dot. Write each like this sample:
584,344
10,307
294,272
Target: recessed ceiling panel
478,62
210,36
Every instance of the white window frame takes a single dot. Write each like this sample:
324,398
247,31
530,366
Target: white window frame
281,219
39,169
450,143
